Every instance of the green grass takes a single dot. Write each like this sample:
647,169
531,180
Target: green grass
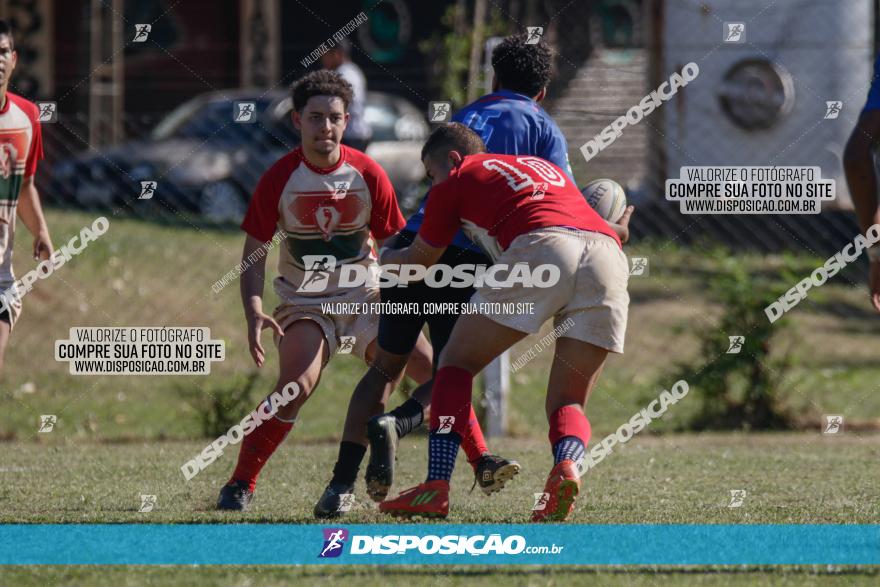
143,274
790,478
119,437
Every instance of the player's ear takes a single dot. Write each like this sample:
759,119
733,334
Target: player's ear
456,158
541,95
495,85
296,117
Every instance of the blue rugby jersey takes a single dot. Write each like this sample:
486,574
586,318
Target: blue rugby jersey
509,124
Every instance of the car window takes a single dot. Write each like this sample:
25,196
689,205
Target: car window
381,117
200,119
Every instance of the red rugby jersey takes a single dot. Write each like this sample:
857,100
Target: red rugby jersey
496,198
324,213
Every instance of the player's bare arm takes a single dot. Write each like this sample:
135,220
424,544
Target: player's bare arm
861,177
31,214
252,281
418,253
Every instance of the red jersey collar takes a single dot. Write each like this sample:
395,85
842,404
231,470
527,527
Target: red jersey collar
343,155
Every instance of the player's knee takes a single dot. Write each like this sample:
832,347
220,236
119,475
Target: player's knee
388,366
451,357
296,393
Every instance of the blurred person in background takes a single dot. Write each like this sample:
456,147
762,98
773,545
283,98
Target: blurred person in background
338,59
21,146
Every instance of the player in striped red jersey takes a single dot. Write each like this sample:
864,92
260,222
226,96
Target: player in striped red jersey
21,146
327,203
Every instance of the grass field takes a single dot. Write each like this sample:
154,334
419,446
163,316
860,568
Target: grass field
119,437
140,274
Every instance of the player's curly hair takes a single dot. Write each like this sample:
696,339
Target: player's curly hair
321,83
522,68
453,136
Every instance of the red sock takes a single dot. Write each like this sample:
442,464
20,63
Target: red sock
472,442
569,421
257,447
451,396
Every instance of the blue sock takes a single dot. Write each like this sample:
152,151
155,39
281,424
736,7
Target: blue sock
442,450
568,448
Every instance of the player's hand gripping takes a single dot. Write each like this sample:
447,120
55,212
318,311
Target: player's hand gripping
621,227
257,321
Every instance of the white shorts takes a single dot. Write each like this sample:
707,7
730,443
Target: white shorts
363,327
590,301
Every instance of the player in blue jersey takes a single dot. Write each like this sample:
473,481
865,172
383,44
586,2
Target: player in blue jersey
861,176
510,121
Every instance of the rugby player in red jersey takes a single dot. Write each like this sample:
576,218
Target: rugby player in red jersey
21,146
327,200
492,197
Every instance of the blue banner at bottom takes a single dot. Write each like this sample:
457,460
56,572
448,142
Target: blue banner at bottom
412,544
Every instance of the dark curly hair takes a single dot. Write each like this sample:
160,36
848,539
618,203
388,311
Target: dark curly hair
320,83
522,68
453,136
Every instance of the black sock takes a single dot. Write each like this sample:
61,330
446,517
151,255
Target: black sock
408,416
348,462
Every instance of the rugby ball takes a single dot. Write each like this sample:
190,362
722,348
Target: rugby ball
606,197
